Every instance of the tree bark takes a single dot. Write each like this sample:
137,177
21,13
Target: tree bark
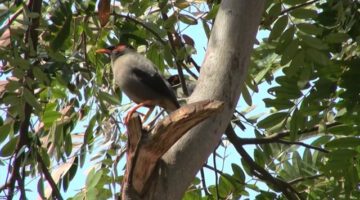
222,74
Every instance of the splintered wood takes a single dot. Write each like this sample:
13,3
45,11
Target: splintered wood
145,148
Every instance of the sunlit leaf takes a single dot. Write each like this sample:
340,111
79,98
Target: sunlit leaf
187,19
93,178
182,4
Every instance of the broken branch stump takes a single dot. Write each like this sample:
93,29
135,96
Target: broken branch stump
146,147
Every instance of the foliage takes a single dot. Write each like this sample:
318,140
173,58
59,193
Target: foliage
59,106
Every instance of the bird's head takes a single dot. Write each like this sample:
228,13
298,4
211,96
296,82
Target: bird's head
114,51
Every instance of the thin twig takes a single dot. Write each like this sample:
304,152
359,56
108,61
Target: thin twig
216,176
48,177
212,168
288,191
203,182
276,137
298,6
197,67
177,62
127,17
297,180
21,183
304,145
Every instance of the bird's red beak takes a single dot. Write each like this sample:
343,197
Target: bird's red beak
103,51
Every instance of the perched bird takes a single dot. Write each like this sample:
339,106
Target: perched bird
138,78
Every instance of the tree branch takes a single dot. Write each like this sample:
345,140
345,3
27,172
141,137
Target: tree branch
297,180
203,182
258,171
177,62
304,145
223,71
145,147
48,177
23,140
298,6
273,138
31,38
216,176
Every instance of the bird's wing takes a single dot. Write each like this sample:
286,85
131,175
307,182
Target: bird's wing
156,83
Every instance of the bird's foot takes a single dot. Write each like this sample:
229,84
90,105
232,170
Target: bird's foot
128,116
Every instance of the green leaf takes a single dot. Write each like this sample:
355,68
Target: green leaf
31,99
275,10
272,120
294,124
278,28
109,98
225,185
212,13
246,95
68,144
40,75
342,129
289,52
302,13
311,29
62,35
259,157
206,28
292,92
45,156
238,172
169,22
93,178
297,162
192,194
278,103
9,148
313,42
336,37
182,4
49,117
344,142
298,60
285,39
187,19
92,194
12,86
40,188
293,2
317,56
5,130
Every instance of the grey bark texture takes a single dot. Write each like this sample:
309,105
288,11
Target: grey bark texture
222,74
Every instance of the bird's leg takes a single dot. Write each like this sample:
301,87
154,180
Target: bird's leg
146,116
131,112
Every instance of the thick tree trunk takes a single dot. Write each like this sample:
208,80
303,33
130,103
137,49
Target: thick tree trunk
222,74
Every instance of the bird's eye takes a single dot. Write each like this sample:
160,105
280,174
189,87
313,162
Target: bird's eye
111,48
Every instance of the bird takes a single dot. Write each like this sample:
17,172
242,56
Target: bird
139,79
